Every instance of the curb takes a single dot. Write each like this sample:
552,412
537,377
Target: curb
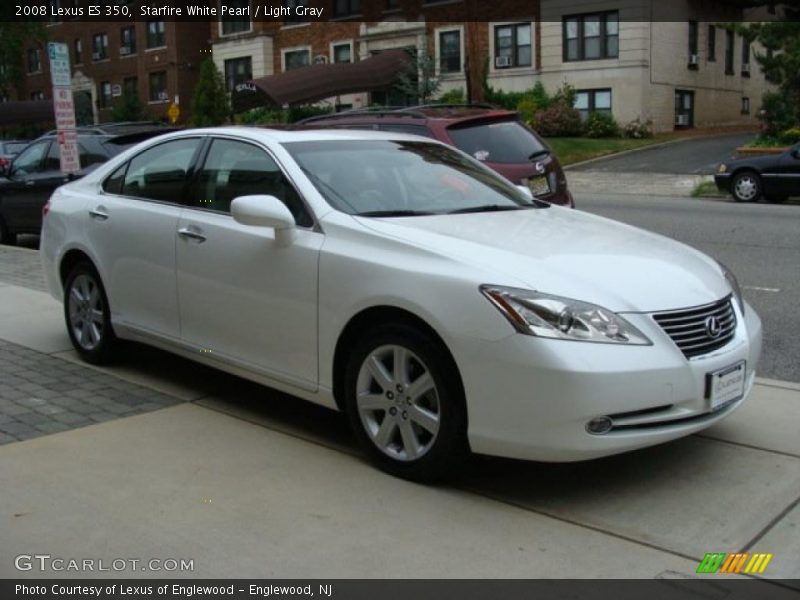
649,147
777,383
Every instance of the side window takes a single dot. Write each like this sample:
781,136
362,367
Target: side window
412,129
159,173
234,169
53,160
31,159
113,184
89,156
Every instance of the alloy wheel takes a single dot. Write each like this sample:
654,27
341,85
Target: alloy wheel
85,308
746,188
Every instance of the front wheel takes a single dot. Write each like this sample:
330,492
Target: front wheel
746,187
88,316
405,403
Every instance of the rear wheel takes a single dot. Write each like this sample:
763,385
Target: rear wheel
405,403
6,237
746,187
88,316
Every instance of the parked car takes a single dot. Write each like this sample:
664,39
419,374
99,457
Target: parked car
774,177
9,149
440,307
32,176
493,136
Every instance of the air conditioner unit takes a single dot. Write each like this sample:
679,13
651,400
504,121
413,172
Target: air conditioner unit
97,56
682,120
694,60
124,50
746,68
163,96
320,59
502,61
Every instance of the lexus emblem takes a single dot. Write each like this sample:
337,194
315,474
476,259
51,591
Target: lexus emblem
713,327
539,168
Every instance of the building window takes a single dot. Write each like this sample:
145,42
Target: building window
693,58
589,101
712,43
292,5
450,51
127,41
155,34
590,37
99,46
77,48
342,53
346,8
234,24
729,42
34,60
295,59
392,4
512,46
745,58
37,95
745,106
105,94
158,87
238,70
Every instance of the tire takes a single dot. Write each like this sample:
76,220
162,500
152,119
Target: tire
6,237
746,187
777,199
411,422
87,316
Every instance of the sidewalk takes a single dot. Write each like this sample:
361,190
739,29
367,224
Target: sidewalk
640,184
252,483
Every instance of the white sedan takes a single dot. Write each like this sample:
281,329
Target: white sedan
400,281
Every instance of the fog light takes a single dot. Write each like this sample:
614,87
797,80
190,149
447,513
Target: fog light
599,425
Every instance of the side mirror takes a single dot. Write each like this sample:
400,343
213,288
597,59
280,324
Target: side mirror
526,190
265,211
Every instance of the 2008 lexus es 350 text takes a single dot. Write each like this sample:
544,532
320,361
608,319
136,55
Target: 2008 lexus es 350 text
399,280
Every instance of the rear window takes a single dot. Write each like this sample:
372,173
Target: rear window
497,142
14,148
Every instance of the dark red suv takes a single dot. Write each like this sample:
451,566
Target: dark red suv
495,137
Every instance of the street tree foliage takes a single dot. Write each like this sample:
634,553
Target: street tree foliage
210,105
13,36
128,107
419,81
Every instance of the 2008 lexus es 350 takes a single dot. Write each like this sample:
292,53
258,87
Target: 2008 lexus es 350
399,280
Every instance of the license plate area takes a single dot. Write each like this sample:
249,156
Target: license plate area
725,385
539,186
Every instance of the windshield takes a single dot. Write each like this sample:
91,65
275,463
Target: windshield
505,142
400,178
14,147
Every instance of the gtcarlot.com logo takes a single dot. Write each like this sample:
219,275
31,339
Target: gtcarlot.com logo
46,562
740,562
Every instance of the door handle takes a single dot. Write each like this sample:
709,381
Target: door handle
99,214
191,234
29,182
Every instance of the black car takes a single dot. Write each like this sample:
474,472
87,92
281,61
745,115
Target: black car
28,181
775,177
9,149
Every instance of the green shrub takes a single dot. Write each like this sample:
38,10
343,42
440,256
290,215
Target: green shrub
262,116
128,107
455,96
790,136
601,125
638,130
511,100
527,109
778,113
558,120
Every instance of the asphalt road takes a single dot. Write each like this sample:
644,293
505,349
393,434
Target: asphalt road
694,156
758,242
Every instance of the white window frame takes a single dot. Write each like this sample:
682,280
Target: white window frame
285,51
438,53
342,43
511,70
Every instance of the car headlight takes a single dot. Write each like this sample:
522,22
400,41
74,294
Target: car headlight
722,168
543,315
732,281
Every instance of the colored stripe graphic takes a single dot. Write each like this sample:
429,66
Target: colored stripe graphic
722,562
758,563
711,562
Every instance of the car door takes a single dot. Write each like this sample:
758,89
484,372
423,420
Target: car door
132,226
790,171
242,297
31,180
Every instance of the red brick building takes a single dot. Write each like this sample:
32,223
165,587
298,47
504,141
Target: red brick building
158,59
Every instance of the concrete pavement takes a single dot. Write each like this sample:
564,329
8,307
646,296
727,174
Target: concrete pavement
248,482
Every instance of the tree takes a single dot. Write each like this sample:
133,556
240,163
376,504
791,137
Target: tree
420,81
210,105
129,107
13,36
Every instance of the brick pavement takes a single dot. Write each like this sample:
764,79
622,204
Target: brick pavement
21,267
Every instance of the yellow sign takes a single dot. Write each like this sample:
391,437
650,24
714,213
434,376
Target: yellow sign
173,112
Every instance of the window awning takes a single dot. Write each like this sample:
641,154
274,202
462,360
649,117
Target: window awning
28,111
316,82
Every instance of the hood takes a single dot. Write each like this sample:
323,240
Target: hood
765,160
568,253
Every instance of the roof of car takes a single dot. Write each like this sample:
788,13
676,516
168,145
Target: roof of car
304,135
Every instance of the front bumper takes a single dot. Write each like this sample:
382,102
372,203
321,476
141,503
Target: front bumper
531,398
723,181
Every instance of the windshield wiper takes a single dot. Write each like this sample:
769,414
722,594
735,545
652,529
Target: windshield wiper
539,153
485,208
394,213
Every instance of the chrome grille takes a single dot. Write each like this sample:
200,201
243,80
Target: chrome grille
689,330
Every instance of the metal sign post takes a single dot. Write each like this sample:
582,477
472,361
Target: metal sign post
64,106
